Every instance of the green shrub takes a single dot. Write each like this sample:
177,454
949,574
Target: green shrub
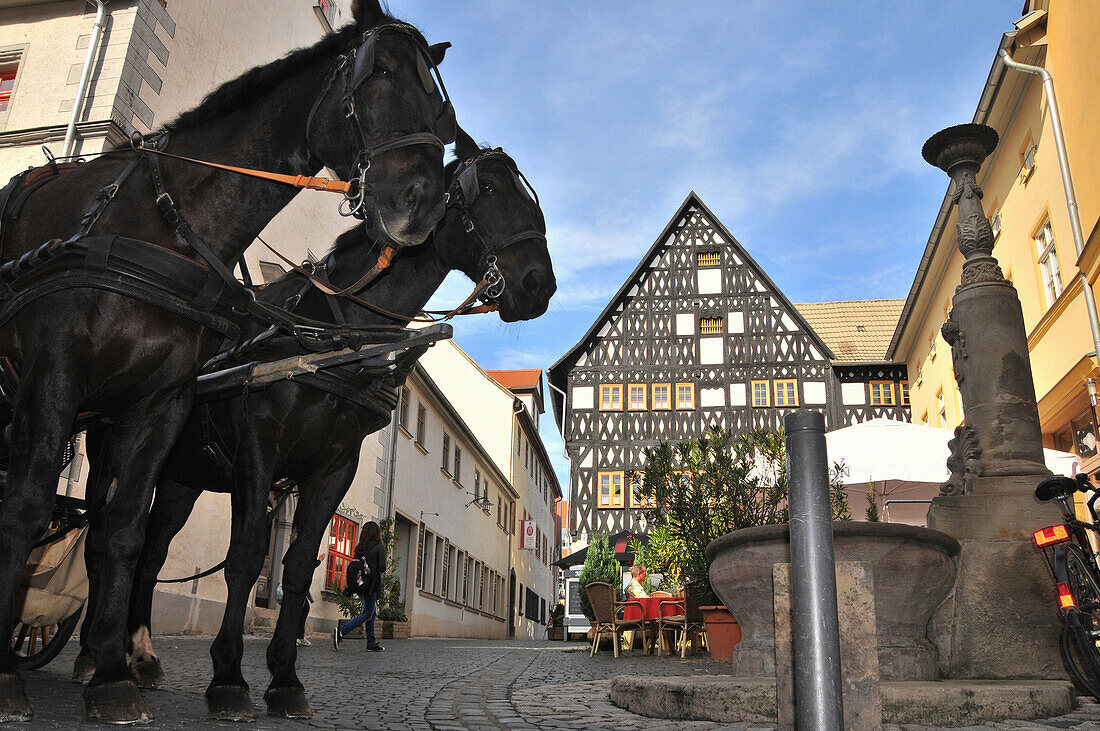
600,564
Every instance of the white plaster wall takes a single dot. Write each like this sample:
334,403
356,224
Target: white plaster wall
853,394
711,350
813,392
583,397
685,323
738,394
710,281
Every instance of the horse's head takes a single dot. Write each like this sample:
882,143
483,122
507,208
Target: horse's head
494,231
381,121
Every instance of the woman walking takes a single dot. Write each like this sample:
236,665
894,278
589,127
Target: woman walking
365,579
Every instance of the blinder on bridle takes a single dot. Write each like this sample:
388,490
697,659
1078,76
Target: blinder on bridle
357,67
462,194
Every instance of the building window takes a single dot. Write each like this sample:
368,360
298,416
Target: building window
904,389
685,395
942,407
710,325
786,393
7,86
403,410
326,13
341,550
708,258
760,394
611,397
920,375
458,465
995,222
421,424
882,393
1027,158
637,500
611,489
932,346
1048,262
661,396
636,397
446,465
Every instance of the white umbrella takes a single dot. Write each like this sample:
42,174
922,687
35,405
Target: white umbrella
904,462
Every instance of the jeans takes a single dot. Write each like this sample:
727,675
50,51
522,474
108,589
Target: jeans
370,602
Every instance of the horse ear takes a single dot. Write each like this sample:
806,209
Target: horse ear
437,52
464,145
367,13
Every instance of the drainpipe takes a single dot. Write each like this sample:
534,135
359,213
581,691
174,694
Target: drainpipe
1067,183
85,75
390,512
564,451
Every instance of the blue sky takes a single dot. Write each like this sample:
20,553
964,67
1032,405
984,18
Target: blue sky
799,123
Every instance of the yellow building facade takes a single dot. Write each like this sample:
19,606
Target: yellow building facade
1027,206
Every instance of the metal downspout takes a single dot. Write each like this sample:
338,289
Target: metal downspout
85,76
1067,183
390,512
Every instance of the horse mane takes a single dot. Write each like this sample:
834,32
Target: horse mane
254,84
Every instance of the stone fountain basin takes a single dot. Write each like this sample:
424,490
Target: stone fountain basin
912,571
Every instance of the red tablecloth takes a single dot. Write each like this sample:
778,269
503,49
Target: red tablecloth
652,605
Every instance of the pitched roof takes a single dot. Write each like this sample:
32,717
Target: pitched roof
525,379
556,373
856,331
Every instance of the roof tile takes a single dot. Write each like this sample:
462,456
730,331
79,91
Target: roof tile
857,330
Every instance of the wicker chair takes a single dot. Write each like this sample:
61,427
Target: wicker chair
686,623
609,616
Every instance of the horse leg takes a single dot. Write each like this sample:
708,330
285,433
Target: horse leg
99,480
317,501
41,425
172,506
227,696
136,449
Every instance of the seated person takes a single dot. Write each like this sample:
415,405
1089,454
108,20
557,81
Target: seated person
634,589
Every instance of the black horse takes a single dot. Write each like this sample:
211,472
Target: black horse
312,437
362,102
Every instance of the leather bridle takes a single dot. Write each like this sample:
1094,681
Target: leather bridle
463,193
355,68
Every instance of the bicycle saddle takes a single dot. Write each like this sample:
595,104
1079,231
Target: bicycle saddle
1060,486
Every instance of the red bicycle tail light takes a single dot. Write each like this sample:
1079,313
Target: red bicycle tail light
1050,535
1065,597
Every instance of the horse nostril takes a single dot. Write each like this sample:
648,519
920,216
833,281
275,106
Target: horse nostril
414,194
532,281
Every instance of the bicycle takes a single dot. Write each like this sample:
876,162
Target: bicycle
1073,563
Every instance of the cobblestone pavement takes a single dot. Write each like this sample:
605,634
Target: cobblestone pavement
419,684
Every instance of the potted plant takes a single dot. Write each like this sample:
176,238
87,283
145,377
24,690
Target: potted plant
391,609
703,489
600,564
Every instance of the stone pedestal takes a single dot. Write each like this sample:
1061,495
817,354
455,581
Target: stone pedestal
1003,619
858,647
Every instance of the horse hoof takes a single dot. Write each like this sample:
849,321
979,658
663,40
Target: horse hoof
229,703
83,667
13,701
116,702
148,673
288,703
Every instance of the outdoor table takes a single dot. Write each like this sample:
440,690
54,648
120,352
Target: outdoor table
653,610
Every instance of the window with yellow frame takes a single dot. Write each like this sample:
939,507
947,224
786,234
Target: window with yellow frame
635,396
610,489
708,258
611,397
882,393
637,500
710,325
786,392
662,396
904,388
685,395
761,394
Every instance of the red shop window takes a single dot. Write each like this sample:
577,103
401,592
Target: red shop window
341,550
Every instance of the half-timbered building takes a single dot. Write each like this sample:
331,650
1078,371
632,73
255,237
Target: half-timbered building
698,336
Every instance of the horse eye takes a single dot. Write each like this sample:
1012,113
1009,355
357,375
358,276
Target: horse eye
488,188
381,70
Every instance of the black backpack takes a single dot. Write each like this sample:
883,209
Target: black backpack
358,575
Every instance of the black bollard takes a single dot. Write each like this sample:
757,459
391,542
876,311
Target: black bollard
815,632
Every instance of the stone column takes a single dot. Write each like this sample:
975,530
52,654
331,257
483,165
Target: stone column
1004,621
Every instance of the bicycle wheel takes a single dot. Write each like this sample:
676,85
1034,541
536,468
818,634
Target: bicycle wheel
1084,624
34,647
